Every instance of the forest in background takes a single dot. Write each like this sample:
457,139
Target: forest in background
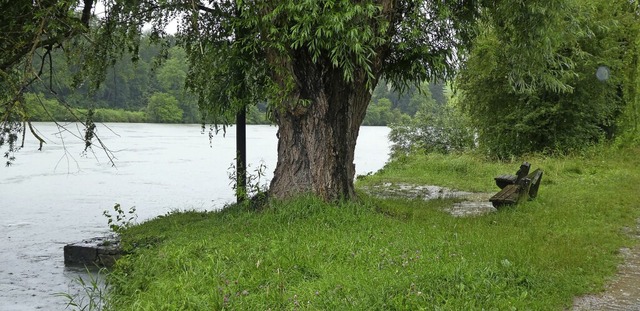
150,88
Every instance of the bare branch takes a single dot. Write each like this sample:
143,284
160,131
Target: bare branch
33,132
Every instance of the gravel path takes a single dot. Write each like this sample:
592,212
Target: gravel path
623,292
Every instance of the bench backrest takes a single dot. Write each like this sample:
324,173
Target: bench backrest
523,171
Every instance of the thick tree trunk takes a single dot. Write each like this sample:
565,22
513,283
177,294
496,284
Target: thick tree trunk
316,141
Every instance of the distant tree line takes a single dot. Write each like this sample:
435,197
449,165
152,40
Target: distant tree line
389,106
149,87
144,87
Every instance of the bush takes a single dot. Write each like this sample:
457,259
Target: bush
435,128
118,115
163,108
40,108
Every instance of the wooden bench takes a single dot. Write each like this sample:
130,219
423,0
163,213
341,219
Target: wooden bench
535,177
517,188
504,180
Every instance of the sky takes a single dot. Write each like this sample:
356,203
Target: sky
99,10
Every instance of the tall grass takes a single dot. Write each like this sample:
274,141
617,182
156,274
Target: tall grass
394,254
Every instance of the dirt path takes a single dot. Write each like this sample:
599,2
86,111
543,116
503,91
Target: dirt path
623,293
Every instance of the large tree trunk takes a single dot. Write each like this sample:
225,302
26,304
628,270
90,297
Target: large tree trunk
316,141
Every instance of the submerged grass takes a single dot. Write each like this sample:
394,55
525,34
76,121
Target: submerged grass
394,254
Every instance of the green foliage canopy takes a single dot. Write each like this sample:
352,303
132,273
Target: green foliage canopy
577,109
30,29
240,50
244,52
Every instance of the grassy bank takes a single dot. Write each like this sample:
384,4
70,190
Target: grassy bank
395,253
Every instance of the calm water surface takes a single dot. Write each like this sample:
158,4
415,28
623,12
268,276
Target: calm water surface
56,196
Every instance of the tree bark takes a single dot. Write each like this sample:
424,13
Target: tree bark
316,141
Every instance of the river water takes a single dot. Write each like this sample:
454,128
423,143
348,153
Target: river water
57,196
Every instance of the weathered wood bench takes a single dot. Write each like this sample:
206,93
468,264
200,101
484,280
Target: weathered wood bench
517,188
504,180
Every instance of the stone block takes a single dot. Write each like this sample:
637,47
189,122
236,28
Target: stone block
99,251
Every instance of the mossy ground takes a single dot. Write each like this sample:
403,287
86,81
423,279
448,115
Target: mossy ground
395,254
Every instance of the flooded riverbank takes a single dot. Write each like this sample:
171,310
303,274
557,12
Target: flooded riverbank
56,196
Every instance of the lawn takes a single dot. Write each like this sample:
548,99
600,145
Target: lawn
395,254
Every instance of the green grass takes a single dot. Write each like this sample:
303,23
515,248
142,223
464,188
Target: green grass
395,254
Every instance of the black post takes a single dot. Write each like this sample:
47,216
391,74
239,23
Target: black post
241,126
241,154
